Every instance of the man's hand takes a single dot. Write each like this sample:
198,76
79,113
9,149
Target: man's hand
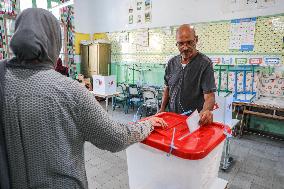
165,99
158,122
206,117
161,110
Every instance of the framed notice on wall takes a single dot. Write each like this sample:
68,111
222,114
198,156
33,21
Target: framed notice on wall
242,34
140,12
142,38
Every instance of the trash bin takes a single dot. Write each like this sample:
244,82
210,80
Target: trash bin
193,163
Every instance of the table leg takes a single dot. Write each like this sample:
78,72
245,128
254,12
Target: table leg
227,160
106,103
112,101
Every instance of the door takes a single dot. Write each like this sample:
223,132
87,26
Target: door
93,59
104,59
84,59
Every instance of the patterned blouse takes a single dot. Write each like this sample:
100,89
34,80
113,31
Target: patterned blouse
47,118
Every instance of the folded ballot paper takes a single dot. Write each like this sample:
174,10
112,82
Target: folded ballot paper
193,122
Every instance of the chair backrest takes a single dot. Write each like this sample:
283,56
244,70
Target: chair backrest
120,89
152,89
133,90
149,97
124,86
122,92
148,94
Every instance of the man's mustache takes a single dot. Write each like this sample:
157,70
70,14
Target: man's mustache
186,51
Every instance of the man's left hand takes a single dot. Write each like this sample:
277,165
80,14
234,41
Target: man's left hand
206,117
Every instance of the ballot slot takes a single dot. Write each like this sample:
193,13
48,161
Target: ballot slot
181,129
172,122
181,123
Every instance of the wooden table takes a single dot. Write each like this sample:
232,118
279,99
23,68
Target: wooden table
264,111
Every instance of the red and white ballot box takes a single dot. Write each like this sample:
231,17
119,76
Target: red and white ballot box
104,85
174,158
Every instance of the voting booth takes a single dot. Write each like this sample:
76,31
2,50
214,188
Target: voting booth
104,85
223,108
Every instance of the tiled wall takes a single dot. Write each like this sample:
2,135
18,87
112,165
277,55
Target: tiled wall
213,41
264,84
271,85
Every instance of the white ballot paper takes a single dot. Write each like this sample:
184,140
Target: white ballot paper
193,122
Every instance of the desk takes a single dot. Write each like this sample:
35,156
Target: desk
107,96
272,108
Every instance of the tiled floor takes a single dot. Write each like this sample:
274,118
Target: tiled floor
258,163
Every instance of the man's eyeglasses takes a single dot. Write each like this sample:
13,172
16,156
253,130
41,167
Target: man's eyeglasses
187,43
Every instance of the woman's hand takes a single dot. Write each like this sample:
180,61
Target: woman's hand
158,122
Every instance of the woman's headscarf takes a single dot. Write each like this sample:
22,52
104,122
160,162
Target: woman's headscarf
37,38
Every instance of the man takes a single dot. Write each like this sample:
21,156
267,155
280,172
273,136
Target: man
189,78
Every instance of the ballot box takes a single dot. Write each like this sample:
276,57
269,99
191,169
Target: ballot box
176,158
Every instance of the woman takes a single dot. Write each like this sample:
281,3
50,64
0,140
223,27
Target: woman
48,117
